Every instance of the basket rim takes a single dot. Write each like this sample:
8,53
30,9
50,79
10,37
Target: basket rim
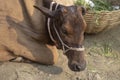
102,12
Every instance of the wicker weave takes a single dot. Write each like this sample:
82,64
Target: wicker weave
97,22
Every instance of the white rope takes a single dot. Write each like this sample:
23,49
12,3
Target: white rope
63,44
48,23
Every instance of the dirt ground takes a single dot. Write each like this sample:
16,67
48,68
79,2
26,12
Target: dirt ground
103,62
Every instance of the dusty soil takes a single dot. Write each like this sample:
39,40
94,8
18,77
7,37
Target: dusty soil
103,62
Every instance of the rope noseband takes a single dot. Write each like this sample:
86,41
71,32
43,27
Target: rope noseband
63,44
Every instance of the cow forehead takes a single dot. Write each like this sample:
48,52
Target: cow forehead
72,9
71,17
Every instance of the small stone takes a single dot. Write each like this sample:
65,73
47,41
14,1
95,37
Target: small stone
50,75
41,72
97,77
18,59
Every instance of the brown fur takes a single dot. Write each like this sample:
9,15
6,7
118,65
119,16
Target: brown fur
16,41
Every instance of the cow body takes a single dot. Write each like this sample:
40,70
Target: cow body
17,38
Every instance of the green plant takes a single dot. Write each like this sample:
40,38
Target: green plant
100,5
104,49
82,2
107,50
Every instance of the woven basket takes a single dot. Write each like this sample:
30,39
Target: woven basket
97,22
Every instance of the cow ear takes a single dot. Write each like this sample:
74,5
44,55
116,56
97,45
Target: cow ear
45,11
82,9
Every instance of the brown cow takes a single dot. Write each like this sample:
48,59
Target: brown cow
30,37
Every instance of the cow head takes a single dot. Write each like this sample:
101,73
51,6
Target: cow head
70,25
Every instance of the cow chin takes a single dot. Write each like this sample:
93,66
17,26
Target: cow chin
76,61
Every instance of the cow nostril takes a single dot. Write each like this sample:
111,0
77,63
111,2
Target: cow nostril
77,67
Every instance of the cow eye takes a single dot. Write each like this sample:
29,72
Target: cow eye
64,31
